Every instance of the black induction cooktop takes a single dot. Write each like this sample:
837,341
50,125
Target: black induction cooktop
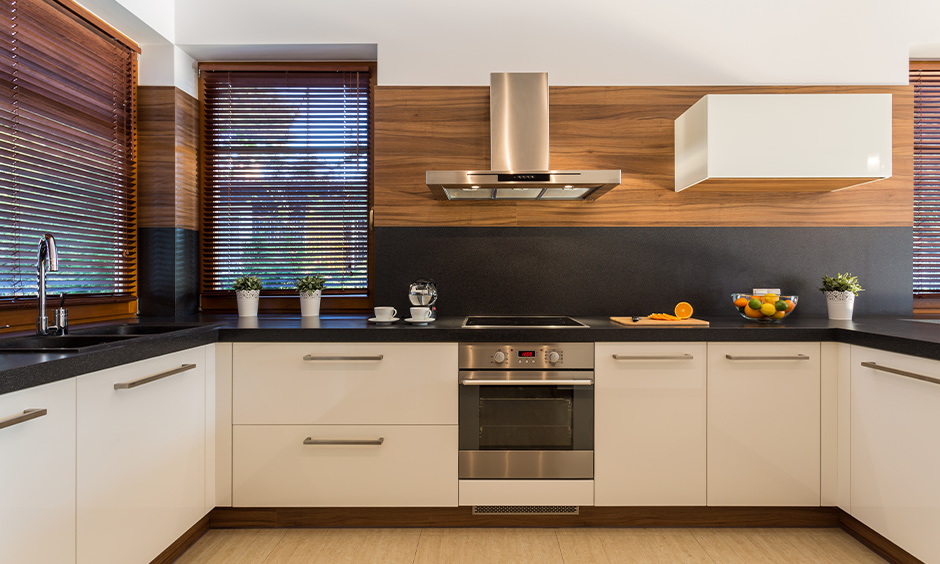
540,321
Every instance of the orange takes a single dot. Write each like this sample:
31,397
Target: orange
779,315
740,302
790,305
752,312
683,310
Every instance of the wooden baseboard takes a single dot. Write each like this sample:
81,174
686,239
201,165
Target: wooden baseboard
428,517
185,541
877,543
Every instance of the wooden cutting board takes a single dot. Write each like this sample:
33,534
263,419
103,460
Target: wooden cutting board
647,322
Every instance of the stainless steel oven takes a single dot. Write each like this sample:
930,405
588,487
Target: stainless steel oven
526,411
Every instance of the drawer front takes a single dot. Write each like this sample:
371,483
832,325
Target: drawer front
345,383
413,466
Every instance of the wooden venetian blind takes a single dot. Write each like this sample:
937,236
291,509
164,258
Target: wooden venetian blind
286,178
66,151
925,78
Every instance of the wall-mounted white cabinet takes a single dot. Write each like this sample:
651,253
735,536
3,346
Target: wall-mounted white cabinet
783,142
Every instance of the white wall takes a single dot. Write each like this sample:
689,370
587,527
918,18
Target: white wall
585,42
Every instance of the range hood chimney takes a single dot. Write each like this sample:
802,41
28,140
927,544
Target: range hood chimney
519,152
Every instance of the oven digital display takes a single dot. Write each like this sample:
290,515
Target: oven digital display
526,354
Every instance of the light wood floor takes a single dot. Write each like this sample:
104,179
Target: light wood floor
523,546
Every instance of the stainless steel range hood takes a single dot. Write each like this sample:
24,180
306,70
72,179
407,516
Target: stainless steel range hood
519,152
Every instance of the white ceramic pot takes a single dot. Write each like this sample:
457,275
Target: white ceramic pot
247,302
840,305
310,304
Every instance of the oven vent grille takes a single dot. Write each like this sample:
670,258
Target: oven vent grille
526,510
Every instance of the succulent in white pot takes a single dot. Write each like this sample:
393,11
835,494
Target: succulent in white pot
841,291
310,288
247,294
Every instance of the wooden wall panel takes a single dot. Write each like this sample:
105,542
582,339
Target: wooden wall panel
156,158
631,128
187,172
167,136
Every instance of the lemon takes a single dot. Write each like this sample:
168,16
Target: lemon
770,298
768,309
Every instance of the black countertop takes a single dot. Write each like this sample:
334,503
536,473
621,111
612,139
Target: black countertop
24,370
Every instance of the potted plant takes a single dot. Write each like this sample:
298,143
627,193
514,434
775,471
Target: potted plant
247,294
310,288
841,290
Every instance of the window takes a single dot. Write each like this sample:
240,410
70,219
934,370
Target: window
925,78
286,180
67,85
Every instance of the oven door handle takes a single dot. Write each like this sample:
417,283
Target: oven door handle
527,382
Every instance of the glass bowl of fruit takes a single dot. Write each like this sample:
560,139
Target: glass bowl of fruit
767,308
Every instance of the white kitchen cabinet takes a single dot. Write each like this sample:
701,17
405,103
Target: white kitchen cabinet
345,383
649,424
783,142
141,457
895,454
763,424
37,474
283,394
378,466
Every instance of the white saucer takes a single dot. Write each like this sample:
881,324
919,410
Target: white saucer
382,321
419,321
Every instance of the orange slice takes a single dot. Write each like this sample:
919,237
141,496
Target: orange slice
683,310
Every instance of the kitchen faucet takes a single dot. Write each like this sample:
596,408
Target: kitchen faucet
47,251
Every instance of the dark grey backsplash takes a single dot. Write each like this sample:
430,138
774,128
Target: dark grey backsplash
168,277
600,271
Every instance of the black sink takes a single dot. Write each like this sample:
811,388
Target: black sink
60,343
132,329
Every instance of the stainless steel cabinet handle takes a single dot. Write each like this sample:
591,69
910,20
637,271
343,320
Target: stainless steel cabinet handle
373,357
351,442
791,357
22,417
653,357
154,378
527,382
899,372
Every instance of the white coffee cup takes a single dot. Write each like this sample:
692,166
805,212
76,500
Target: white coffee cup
420,313
385,312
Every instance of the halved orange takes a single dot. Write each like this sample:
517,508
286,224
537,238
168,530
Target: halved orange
683,310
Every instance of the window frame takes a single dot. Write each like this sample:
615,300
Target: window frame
286,300
19,312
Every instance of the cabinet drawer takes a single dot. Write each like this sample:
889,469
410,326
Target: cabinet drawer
650,424
413,466
345,383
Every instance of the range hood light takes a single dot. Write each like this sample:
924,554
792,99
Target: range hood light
519,152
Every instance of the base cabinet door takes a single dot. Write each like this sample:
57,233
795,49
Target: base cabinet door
763,424
895,468
345,466
649,424
37,474
141,457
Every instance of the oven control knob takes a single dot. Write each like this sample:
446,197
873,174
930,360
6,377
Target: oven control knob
499,357
553,357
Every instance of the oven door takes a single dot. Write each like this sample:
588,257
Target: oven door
526,424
